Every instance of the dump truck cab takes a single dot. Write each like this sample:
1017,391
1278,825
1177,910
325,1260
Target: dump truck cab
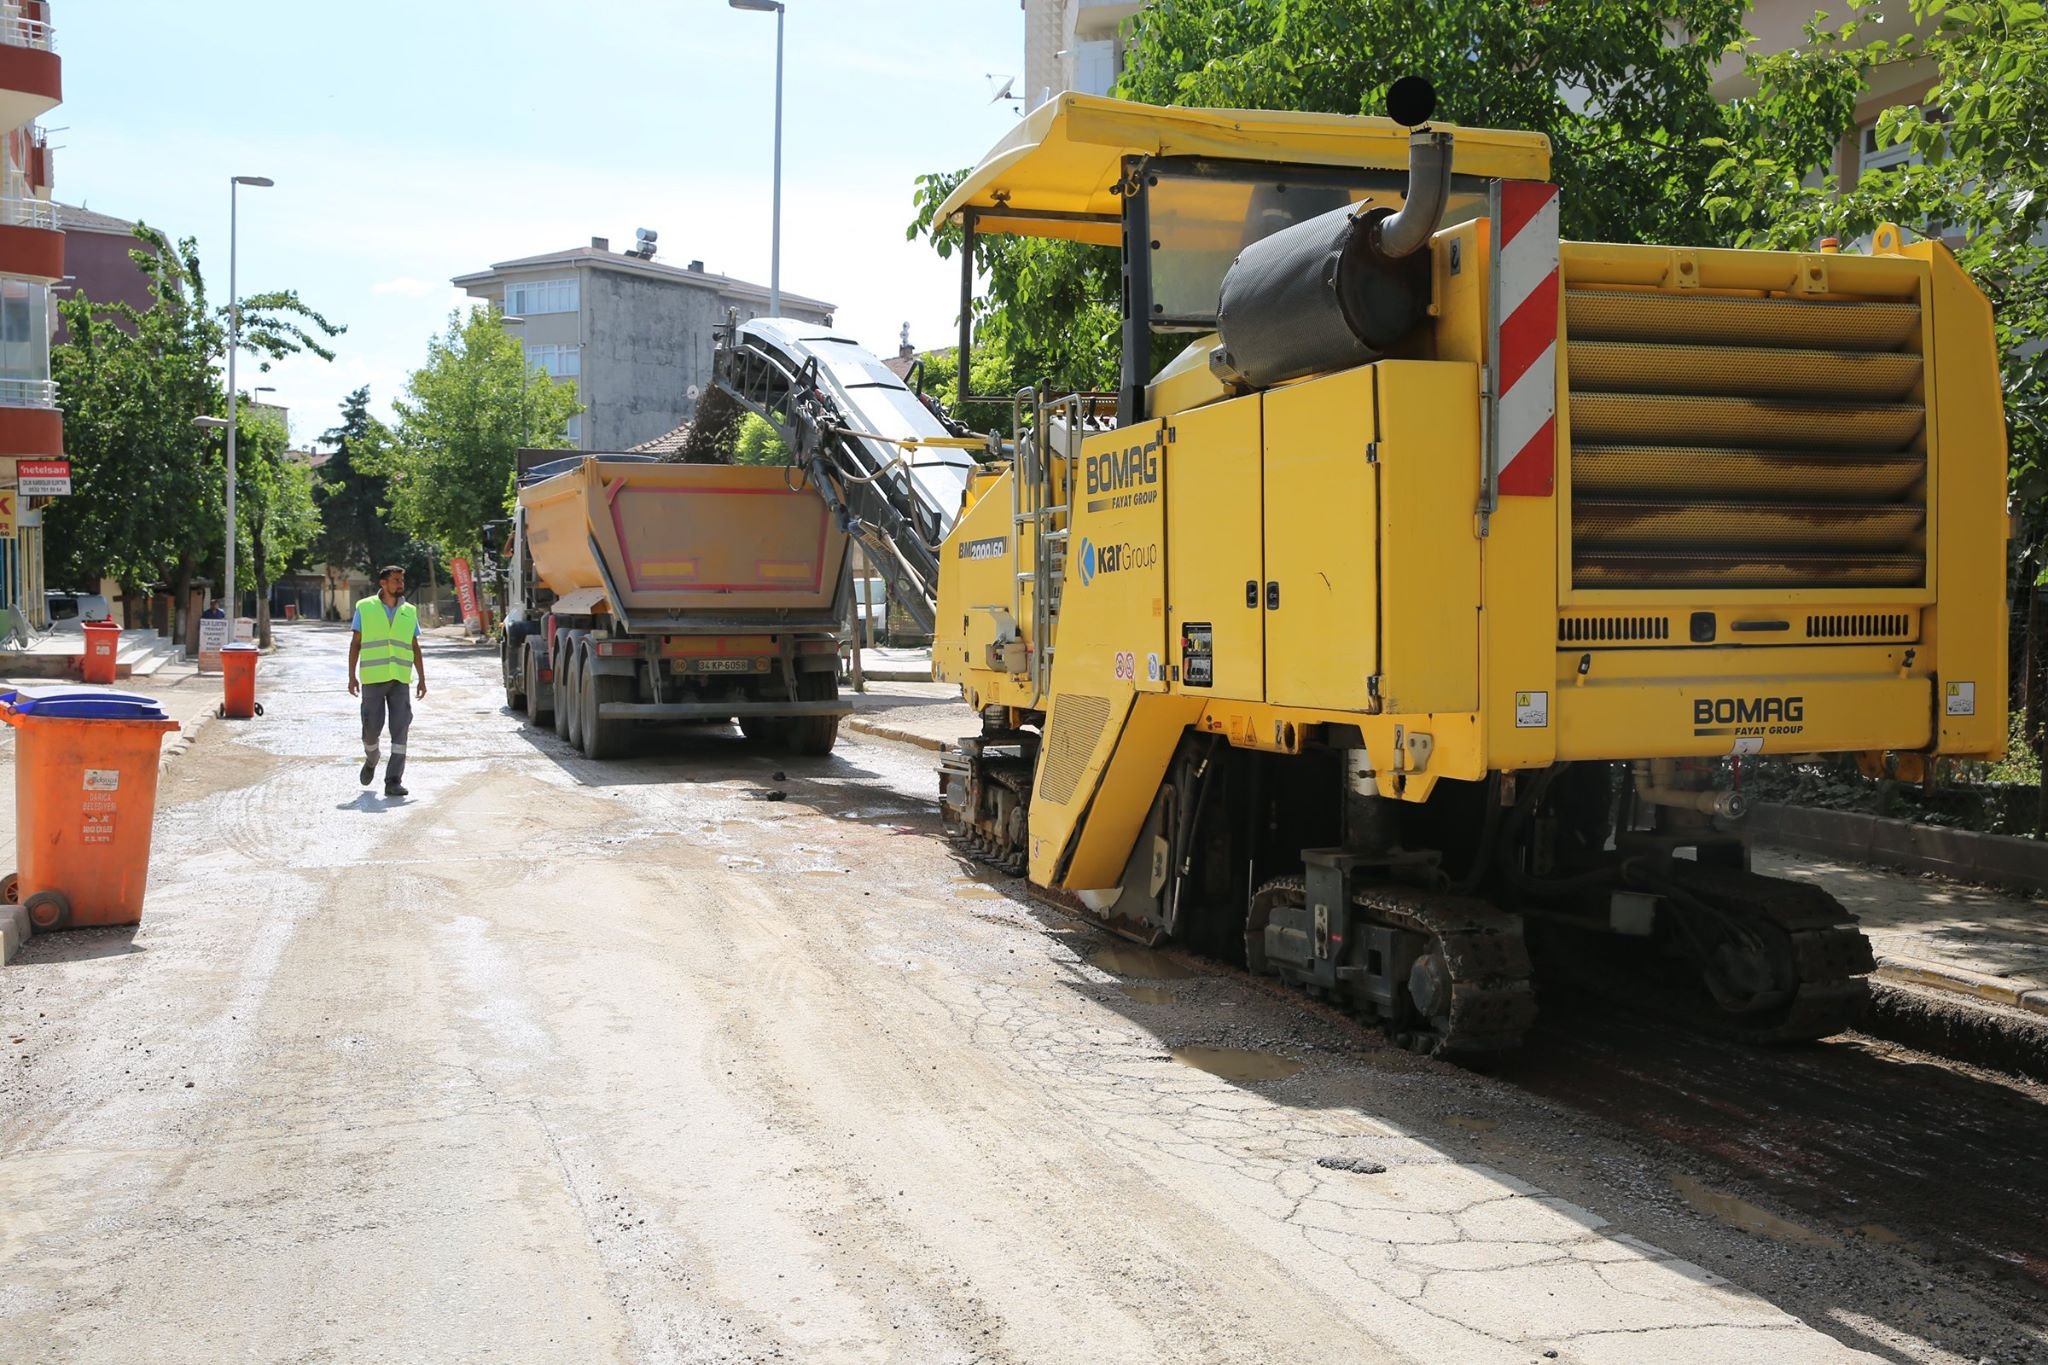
1448,558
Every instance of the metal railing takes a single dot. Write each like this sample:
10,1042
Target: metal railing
19,31
28,393
25,210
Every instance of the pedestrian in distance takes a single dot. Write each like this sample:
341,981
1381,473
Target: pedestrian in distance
383,654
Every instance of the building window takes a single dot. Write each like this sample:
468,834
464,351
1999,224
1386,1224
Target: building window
561,362
574,431
540,296
24,342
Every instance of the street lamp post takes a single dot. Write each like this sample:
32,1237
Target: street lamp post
775,227
525,382
234,344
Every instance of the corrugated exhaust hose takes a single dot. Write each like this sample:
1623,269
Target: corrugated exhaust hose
1339,290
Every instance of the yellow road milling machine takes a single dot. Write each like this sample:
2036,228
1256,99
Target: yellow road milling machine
1414,611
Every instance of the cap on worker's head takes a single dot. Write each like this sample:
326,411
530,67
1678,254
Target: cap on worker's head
388,570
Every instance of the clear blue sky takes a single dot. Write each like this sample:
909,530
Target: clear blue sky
414,142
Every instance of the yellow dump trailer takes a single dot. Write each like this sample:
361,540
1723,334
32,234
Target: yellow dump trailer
645,591
1425,608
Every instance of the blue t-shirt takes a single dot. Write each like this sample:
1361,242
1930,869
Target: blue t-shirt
355,621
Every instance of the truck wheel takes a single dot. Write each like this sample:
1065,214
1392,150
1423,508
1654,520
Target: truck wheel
603,738
761,729
814,736
538,713
565,689
512,664
577,682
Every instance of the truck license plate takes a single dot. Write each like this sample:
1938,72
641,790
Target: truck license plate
725,665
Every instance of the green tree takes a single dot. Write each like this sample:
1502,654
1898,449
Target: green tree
465,415
149,499
277,521
758,443
356,529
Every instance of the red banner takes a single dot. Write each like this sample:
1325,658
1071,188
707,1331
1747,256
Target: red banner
465,592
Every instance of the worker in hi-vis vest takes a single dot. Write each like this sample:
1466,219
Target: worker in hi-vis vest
382,655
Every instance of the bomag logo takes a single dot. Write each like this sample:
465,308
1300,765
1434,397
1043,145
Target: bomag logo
1123,478
1748,716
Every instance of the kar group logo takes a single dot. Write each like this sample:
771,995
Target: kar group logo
1087,561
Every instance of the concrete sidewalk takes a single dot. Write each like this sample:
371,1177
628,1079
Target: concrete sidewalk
927,714
186,696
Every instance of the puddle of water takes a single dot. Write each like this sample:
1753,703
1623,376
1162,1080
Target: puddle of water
1149,995
1740,1213
978,892
1471,1124
1238,1064
1128,959
1882,1235
827,871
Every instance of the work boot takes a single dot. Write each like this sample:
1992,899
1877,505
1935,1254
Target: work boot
369,771
394,790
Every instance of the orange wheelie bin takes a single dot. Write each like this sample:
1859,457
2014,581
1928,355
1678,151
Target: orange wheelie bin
238,681
102,646
85,765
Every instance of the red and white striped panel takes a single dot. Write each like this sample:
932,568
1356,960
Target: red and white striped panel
1527,287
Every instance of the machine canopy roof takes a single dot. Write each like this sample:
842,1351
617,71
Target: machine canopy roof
1057,168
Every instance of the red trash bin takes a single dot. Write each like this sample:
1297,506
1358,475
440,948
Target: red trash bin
102,645
85,768
238,681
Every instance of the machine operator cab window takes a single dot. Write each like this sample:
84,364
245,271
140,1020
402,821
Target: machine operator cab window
1204,214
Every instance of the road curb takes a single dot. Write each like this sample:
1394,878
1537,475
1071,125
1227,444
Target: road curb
2017,865
890,732
1941,976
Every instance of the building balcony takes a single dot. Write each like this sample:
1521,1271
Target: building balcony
31,239
30,423
31,74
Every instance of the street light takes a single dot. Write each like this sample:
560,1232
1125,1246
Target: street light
525,379
775,229
261,182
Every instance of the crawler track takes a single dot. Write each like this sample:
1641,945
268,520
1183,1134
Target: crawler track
1492,1000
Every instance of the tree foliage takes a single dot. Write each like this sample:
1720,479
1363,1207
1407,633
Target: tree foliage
465,415
148,499
276,519
356,530
758,443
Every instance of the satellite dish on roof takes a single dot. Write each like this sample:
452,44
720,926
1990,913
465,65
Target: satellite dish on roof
693,391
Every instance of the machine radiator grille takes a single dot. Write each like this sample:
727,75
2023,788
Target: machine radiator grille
1572,630
1072,732
1745,442
1860,626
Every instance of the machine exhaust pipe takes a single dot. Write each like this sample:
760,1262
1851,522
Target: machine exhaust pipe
1410,227
1344,287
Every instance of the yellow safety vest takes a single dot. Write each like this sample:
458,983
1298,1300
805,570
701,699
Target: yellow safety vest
387,641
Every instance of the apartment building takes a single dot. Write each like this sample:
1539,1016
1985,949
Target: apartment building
1072,45
633,334
31,261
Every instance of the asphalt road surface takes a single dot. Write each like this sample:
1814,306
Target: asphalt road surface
562,1061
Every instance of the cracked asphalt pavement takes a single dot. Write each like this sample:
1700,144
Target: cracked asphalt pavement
563,1061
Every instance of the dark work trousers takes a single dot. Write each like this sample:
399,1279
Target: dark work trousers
378,699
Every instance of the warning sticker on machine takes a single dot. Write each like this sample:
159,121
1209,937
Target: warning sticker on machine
102,779
1962,699
1747,744
1532,710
